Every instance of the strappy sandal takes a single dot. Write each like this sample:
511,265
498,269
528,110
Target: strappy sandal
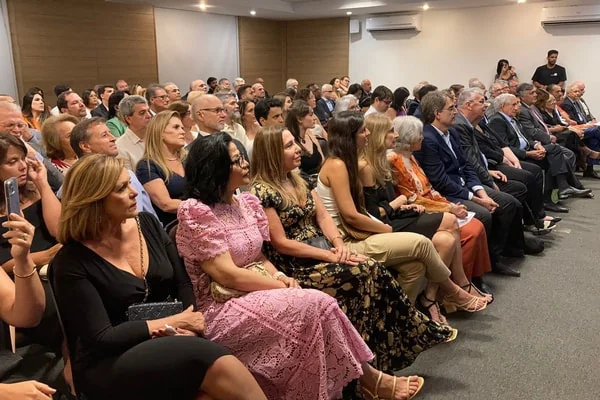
473,305
375,396
427,308
467,288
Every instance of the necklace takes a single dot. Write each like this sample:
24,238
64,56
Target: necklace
172,159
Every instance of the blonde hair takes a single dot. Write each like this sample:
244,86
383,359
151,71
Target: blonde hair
267,166
51,137
154,142
374,154
89,182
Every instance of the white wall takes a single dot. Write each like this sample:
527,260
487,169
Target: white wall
455,45
193,45
8,80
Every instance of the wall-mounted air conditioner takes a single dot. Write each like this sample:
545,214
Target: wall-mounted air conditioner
553,16
395,22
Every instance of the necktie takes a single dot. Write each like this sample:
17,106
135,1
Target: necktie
582,110
579,112
524,143
540,120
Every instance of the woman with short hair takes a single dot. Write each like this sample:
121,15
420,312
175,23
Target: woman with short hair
56,138
184,111
91,101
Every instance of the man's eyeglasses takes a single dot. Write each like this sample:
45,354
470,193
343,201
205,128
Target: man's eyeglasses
163,97
216,110
11,126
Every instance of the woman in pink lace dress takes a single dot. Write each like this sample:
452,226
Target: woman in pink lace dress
297,342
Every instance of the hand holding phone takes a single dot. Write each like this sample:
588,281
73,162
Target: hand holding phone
11,196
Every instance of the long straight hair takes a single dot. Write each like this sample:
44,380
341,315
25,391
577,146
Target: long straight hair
342,130
267,166
154,143
374,154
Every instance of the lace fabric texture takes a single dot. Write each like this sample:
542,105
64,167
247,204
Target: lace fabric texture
296,342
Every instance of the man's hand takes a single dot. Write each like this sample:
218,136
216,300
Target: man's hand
485,201
29,390
552,139
497,175
535,154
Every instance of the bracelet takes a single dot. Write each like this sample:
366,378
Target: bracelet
277,274
24,276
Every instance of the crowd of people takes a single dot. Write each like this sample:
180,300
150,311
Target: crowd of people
316,240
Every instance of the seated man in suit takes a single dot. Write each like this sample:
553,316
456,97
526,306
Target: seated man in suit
326,104
442,160
579,112
549,157
422,93
104,93
471,108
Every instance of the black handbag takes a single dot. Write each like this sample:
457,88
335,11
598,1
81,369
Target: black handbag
320,242
149,311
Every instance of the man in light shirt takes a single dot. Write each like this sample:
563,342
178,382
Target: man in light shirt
136,113
380,100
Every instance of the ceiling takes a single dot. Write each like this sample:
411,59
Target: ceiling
313,9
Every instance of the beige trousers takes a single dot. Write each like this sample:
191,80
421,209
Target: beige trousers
409,255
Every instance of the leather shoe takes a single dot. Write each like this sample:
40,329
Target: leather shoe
501,269
533,246
591,174
571,191
555,208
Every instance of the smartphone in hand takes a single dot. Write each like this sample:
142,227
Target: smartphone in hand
11,196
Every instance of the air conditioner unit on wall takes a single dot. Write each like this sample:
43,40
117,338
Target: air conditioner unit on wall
395,22
553,16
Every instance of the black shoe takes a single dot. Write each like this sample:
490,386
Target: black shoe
591,174
554,220
533,246
573,192
482,286
501,269
555,208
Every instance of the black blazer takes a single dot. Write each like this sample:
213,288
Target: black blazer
100,111
531,127
443,169
568,106
412,107
322,111
471,150
490,144
505,131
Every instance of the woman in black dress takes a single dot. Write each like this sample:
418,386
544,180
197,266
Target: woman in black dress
300,121
113,258
371,298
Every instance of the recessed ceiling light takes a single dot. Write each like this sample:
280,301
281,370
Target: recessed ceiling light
521,1
202,6
348,12
252,12
425,7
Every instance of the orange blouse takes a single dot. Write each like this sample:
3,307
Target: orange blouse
32,123
414,184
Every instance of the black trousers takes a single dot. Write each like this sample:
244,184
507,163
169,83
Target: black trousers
532,177
504,227
558,161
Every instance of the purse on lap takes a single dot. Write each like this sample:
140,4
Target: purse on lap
150,311
221,293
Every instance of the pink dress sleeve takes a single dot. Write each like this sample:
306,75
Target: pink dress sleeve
256,210
200,235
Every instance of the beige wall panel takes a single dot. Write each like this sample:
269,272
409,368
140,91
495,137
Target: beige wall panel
82,43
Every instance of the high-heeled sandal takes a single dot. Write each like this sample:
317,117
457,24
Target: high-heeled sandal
452,305
375,396
467,288
427,308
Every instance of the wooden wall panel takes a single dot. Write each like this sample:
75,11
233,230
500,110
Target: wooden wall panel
262,51
317,50
81,43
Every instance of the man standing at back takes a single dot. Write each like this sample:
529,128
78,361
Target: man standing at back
550,73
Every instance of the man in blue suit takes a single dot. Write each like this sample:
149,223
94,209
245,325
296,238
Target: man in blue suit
450,174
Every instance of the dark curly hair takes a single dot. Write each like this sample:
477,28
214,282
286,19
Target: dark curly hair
207,168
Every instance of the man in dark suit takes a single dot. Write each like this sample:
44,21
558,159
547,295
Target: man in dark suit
442,160
471,109
326,104
533,126
104,93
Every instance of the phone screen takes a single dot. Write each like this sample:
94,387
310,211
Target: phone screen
11,196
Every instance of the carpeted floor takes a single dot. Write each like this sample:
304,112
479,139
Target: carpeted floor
540,339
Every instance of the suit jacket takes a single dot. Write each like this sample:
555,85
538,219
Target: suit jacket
589,115
100,111
443,168
569,107
322,111
531,127
412,107
471,150
504,130
490,144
